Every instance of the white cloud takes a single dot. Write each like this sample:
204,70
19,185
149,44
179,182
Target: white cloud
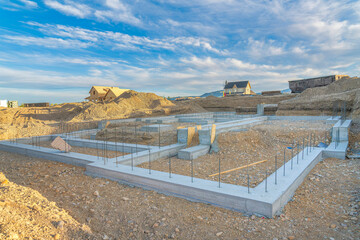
48,42
70,8
107,11
125,41
260,49
29,4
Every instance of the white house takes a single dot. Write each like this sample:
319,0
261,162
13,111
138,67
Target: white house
3,103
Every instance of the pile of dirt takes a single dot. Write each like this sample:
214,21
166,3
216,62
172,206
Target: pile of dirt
212,103
26,214
24,122
318,101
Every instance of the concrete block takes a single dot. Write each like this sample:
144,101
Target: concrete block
182,135
193,152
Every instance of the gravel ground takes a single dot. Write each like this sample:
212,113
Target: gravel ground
89,151
325,206
238,149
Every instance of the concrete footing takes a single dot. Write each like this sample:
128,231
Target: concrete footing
155,128
193,152
267,198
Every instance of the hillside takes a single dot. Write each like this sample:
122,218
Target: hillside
18,122
319,101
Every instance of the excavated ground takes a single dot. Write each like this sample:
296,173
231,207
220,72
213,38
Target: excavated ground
237,149
325,206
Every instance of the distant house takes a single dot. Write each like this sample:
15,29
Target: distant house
298,86
235,88
103,93
13,104
42,104
3,103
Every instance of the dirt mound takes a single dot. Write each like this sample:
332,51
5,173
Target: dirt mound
26,214
318,101
212,103
24,122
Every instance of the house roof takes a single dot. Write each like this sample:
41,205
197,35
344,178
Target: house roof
117,91
100,89
240,84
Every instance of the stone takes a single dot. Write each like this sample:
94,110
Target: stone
291,237
125,198
155,225
177,230
57,236
60,225
219,234
332,226
96,193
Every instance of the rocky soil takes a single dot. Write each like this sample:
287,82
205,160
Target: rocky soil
325,206
238,149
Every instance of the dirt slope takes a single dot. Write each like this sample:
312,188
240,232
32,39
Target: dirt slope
18,122
317,101
26,214
212,103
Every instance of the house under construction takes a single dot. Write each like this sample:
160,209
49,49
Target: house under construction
103,93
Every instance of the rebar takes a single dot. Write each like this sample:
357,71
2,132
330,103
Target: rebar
169,166
149,163
303,148
292,155
276,170
248,183
297,155
284,160
265,180
192,170
132,160
219,171
159,135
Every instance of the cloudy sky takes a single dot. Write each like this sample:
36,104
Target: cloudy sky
55,50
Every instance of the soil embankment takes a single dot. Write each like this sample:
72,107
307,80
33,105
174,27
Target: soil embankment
320,101
25,122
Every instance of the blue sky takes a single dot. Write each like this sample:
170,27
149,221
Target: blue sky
55,50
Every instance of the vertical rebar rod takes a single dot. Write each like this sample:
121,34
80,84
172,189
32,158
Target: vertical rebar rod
248,176
132,160
116,153
97,149
169,166
303,148
248,182
307,146
149,163
159,135
122,140
292,155
192,170
276,170
219,171
284,160
136,141
297,155
266,180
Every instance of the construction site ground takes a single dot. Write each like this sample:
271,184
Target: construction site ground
237,149
125,132
57,201
101,151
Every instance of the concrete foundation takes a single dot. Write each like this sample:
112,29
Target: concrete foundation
155,128
267,198
193,152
